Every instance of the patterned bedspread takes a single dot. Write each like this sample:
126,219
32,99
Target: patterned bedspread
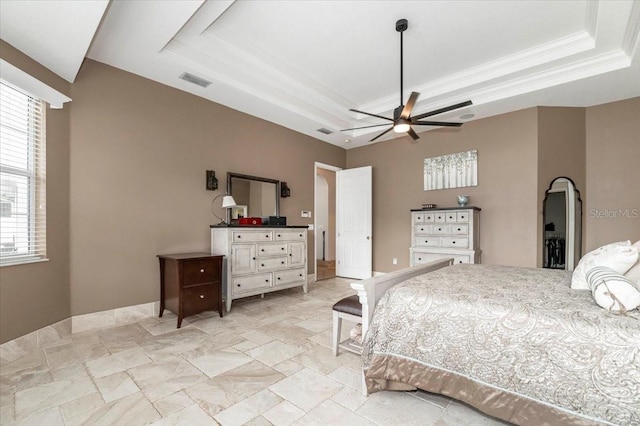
517,343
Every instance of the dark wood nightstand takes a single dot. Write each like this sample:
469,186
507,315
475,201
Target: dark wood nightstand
190,283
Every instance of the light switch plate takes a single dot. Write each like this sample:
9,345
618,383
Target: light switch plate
305,213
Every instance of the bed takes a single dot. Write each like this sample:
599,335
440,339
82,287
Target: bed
516,343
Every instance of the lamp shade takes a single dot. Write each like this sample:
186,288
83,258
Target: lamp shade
228,202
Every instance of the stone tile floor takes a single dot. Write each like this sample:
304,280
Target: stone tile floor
267,362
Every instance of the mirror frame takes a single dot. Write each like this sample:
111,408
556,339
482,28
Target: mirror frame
573,218
231,175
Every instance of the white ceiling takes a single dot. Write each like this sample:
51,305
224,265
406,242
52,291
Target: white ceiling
303,64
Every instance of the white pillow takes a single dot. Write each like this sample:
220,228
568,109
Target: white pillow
619,256
634,273
613,291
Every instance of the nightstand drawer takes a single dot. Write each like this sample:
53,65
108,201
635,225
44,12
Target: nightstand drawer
272,263
250,283
199,298
199,271
455,242
251,237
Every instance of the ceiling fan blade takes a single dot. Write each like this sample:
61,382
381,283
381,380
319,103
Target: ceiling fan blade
372,115
381,134
413,134
365,127
406,111
436,123
441,110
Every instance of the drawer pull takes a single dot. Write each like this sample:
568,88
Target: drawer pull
282,262
426,241
262,264
253,258
290,254
300,235
263,249
202,296
422,229
266,281
266,236
419,258
201,270
453,242
460,261
281,248
439,229
450,217
238,236
278,277
459,229
279,235
300,274
238,285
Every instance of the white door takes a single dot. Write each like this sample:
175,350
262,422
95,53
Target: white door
353,223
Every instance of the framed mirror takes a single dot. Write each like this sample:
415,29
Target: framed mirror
258,196
562,220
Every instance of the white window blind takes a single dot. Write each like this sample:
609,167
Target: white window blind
23,232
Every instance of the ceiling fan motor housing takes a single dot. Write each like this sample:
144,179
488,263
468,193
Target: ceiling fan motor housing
401,25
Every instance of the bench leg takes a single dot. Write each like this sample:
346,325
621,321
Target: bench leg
337,325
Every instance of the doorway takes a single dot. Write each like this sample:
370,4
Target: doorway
325,221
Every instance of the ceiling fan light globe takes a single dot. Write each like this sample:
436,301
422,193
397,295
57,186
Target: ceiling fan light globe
401,128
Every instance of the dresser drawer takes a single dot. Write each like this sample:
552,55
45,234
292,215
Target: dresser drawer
459,229
427,242
462,216
287,277
439,229
199,298
450,216
439,217
250,237
250,283
418,217
420,258
423,229
272,263
271,249
461,259
199,271
290,235
455,242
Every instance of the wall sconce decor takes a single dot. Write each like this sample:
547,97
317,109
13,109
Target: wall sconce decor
212,181
227,203
285,191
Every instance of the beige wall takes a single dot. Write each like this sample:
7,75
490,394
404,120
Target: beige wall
561,152
506,191
139,151
613,173
36,295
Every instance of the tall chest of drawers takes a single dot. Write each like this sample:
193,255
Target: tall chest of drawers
260,259
448,232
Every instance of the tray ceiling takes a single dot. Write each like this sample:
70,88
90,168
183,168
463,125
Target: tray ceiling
304,64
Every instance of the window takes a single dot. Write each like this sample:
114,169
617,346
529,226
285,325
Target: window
22,177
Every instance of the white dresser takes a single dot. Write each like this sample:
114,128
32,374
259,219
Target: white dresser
441,233
260,259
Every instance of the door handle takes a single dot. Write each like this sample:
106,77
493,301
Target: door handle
368,237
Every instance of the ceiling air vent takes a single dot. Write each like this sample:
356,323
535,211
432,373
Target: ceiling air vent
325,131
194,79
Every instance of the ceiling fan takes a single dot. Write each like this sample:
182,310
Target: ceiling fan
402,119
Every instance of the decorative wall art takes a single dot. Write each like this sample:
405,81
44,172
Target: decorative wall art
451,171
